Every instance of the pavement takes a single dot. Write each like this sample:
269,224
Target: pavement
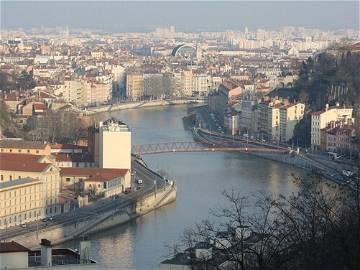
100,206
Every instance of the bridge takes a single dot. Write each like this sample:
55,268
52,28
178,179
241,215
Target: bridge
173,147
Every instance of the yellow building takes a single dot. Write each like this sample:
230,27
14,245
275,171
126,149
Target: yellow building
15,146
21,201
290,115
22,166
134,86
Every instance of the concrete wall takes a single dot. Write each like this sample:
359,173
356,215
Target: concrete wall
62,233
12,260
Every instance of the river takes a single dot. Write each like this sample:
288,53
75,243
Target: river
200,177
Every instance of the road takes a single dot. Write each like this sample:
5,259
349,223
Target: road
100,206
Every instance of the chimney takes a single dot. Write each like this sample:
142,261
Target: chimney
46,253
85,251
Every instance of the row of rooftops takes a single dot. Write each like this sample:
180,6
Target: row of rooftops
32,163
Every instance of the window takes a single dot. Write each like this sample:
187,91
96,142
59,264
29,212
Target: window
19,150
28,151
10,177
67,179
37,151
10,150
2,177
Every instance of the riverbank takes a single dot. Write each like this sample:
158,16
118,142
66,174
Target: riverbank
86,221
138,105
100,222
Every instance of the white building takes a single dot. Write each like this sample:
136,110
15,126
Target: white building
320,120
114,145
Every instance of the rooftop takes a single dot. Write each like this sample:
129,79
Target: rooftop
22,144
21,162
7,247
17,182
94,174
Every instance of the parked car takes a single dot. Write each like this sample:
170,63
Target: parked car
127,190
139,181
138,188
44,220
23,225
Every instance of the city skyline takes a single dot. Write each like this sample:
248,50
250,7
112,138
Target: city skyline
185,16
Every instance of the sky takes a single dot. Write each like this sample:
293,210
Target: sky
185,16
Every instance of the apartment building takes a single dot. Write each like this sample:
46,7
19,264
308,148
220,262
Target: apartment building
14,167
134,85
290,115
321,119
187,82
21,200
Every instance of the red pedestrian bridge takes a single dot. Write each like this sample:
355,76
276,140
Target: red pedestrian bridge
178,147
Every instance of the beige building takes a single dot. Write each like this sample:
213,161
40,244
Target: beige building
21,201
15,146
290,115
134,85
97,181
321,119
187,82
23,166
114,145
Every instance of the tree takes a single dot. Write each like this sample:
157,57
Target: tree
316,228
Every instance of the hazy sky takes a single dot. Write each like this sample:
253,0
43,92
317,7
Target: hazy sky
185,16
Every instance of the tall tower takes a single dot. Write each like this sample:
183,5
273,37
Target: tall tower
114,145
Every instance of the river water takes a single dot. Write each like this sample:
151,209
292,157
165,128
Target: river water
200,177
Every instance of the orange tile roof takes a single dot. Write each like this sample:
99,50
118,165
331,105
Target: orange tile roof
94,174
21,162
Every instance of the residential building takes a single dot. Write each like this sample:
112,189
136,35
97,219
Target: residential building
24,166
290,115
134,85
321,119
21,201
96,181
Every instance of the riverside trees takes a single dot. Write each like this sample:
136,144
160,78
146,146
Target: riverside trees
317,228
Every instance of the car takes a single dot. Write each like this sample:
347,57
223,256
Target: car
23,225
51,218
44,220
127,190
139,181
138,187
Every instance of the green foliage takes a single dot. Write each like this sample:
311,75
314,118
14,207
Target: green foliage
302,132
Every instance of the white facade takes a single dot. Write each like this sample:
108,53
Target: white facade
114,145
319,120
